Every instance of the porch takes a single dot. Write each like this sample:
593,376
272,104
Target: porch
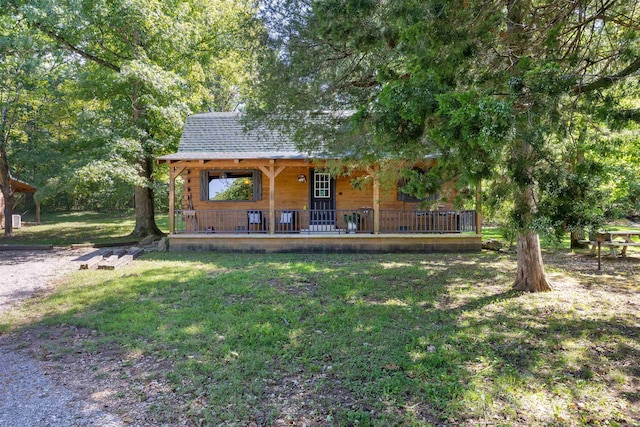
325,231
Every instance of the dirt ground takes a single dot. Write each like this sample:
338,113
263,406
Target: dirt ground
109,388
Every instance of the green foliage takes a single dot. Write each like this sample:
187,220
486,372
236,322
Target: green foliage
28,72
129,74
512,93
572,200
470,122
240,189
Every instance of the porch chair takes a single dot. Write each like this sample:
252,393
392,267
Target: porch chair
288,221
256,222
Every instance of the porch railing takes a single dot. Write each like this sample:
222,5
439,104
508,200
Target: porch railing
395,221
289,221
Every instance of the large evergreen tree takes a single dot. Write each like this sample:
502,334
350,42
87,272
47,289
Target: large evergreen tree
482,83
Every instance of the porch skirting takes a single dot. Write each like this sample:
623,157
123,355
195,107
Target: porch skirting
319,243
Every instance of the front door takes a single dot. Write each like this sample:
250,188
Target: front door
323,198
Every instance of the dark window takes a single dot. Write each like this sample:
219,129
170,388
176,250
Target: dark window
219,185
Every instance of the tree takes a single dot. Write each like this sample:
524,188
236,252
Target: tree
484,84
25,66
150,63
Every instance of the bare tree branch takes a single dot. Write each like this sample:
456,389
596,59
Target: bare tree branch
608,81
75,49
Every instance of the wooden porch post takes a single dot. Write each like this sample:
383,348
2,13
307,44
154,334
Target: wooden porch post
272,173
376,205
173,174
376,199
272,199
479,207
172,201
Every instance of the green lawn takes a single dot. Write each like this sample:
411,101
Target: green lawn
339,340
345,340
67,228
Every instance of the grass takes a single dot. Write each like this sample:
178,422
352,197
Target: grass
549,242
348,340
66,228
358,340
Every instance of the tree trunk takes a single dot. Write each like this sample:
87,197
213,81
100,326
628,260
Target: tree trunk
5,188
144,206
7,214
576,236
143,201
530,275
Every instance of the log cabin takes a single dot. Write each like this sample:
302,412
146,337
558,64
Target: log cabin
234,189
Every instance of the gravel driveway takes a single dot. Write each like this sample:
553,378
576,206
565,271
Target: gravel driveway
28,396
24,272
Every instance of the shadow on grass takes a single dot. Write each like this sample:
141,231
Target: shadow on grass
353,340
65,228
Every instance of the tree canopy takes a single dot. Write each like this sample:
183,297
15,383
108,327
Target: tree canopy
140,67
29,73
496,88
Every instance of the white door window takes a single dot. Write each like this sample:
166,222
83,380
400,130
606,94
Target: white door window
322,185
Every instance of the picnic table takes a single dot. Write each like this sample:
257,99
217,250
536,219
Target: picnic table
614,240
620,239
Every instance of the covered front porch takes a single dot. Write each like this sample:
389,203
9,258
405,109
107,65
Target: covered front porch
324,221
288,218
360,230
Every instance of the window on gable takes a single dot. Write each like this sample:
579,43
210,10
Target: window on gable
231,185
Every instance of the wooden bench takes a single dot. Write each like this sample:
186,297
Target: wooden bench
593,243
613,245
608,239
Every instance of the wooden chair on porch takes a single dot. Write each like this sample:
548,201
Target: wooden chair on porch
189,214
